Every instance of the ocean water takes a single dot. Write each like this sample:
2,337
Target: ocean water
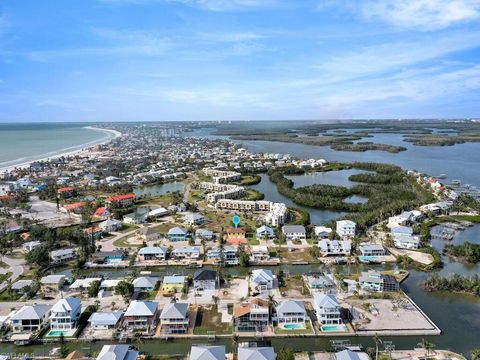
21,143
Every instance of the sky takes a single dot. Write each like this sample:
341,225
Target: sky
168,60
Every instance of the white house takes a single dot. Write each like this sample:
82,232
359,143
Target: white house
144,283
327,309
265,232
30,318
370,249
29,246
117,352
194,219
141,315
335,247
63,255
174,318
105,320
207,352
263,279
65,314
259,253
186,252
153,253
291,312
346,229
206,280
322,232
294,232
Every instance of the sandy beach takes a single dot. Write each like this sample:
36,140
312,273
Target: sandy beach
110,135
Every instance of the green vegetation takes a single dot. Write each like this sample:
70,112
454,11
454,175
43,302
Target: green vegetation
125,289
248,180
468,252
454,283
389,191
209,319
253,195
286,354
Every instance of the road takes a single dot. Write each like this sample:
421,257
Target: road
15,266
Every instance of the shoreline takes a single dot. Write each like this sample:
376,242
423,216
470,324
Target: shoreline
110,135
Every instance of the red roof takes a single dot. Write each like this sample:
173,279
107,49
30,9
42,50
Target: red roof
70,207
100,211
6,198
232,230
121,197
64,189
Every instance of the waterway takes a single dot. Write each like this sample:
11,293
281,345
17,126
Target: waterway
159,189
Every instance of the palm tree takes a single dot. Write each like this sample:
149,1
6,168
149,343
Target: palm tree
427,346
272,303
377,340
235,339
475,354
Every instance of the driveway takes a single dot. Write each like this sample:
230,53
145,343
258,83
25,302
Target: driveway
15,266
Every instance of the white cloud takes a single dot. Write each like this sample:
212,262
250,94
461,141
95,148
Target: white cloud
410,14
422,14
229,37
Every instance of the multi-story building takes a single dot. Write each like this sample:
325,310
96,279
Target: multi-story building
253,316
65,314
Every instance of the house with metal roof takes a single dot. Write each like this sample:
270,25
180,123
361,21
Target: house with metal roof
30,318
265,232
117,352
177,234
350,355
294,232
144,283
65,314
256,353
105,320
153,253
327,309
174,318
141,315
173,284
263,279
335,247
207,352
291,312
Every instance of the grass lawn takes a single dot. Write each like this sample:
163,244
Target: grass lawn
308,330
17,255
295,283
6,296
163,227
3,265
127,228
209,319
4,277
147,295
218,219
298,255
252,195
122,243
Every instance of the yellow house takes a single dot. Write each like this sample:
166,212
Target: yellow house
173,284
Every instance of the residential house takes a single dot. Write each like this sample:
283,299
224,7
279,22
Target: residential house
236,236
263,279
320,282
204,234
335,247
120,200
256,353
206,280
117,352
30,318
66,192
265,233
105,320
141,315
291,312
52,283
327,309
102,212
148,234
177,234
111,225
186,252
294,232
65,314
22,286
369,249
194,219
153,253
375,281
346,229
156,213
403,241
259,253
227,255
94,232
253,316
63,255
174,318
207,352
322,232
29,246
144,283
106,257
173,284
350,355
136,218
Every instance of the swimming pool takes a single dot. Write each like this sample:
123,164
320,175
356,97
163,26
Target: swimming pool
54,333
293,326
113,260
333,328
368,259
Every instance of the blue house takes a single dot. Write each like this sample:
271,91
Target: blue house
177,234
